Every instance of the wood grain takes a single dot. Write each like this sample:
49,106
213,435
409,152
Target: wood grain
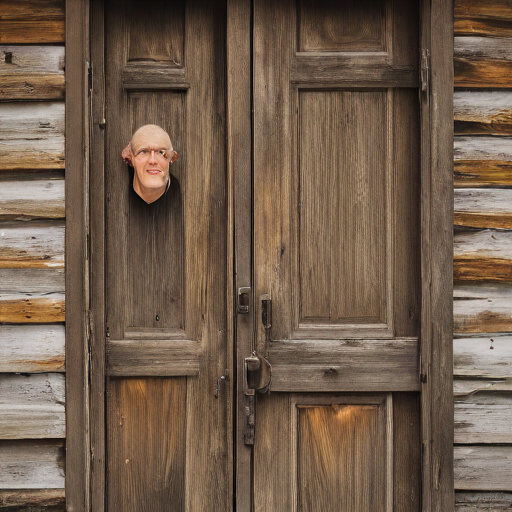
33,501
482,112
32,348
37,464
483,418
30,280
482,308
31,21
482,62
489,357
32,406
465,386
483,18
31,72
37,199
36,244
483,468
482,255
32,135
483,501
32,308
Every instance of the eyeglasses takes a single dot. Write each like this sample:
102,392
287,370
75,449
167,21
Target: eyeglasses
145,153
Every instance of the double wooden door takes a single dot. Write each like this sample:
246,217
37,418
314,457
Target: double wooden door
289,240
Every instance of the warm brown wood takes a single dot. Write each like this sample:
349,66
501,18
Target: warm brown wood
31,72
32,348
32,135
33,501
483,418
482,62
482,501
38,199
78,454
482,255
482,173
483,468
153,76
32,21
32,406
483,18
489,357
37,464
482,112
32,245
147,444
32,308
482,309
483,208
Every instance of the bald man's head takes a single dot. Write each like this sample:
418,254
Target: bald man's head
150,152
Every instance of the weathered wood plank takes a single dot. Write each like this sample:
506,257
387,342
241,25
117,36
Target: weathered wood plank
483,18
482,62
482,255
32,135
482,308
483,418
32,280
464,387
483,502
38,199
482,112
53,500
481,208
32,348
483,357
483,468
31,72
37,244
32,406
32,21
34,308
32,464
482,161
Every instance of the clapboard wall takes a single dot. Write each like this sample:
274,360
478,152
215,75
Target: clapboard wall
32,363
32,213
483,255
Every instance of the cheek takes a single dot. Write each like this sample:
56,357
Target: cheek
139,170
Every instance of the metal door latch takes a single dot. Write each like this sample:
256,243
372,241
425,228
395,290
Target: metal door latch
250,416
243,300
259,373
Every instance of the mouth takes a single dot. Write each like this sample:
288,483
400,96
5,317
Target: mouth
154,171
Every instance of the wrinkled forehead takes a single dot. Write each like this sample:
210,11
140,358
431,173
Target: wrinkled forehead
151,137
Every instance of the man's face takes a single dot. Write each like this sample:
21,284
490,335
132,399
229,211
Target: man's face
151,166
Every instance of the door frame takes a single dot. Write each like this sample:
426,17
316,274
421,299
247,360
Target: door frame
85,447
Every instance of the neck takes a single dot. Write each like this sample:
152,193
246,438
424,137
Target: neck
149,195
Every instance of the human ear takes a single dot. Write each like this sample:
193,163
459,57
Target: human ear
174,157
127,154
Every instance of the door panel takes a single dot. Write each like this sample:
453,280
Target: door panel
337,250
168,429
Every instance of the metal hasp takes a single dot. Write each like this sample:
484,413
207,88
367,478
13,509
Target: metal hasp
250,416
266,311
243,300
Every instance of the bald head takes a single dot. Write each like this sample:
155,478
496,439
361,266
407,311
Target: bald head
149,136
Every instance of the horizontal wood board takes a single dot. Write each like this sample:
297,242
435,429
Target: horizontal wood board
483,501
50,500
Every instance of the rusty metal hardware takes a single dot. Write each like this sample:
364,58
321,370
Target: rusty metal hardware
243,300
222,379
250,416
266,312
259,373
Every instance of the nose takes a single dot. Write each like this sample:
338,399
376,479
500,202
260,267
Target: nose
152,157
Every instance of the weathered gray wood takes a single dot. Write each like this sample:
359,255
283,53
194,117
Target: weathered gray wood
153,358
32,280
464,387
32,406
483,502
32,21
482,148
31,72
483,468
482,112
482,61
482,255
32,464
483,357
37,244
345,365
483,418
482,308
33,501
153,76
32,135
22,200
32,348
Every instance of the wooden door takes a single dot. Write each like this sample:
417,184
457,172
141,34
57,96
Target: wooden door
337,250
166,353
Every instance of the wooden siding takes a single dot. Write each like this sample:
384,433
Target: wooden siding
32,213
483,255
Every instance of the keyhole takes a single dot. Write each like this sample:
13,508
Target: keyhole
157,318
